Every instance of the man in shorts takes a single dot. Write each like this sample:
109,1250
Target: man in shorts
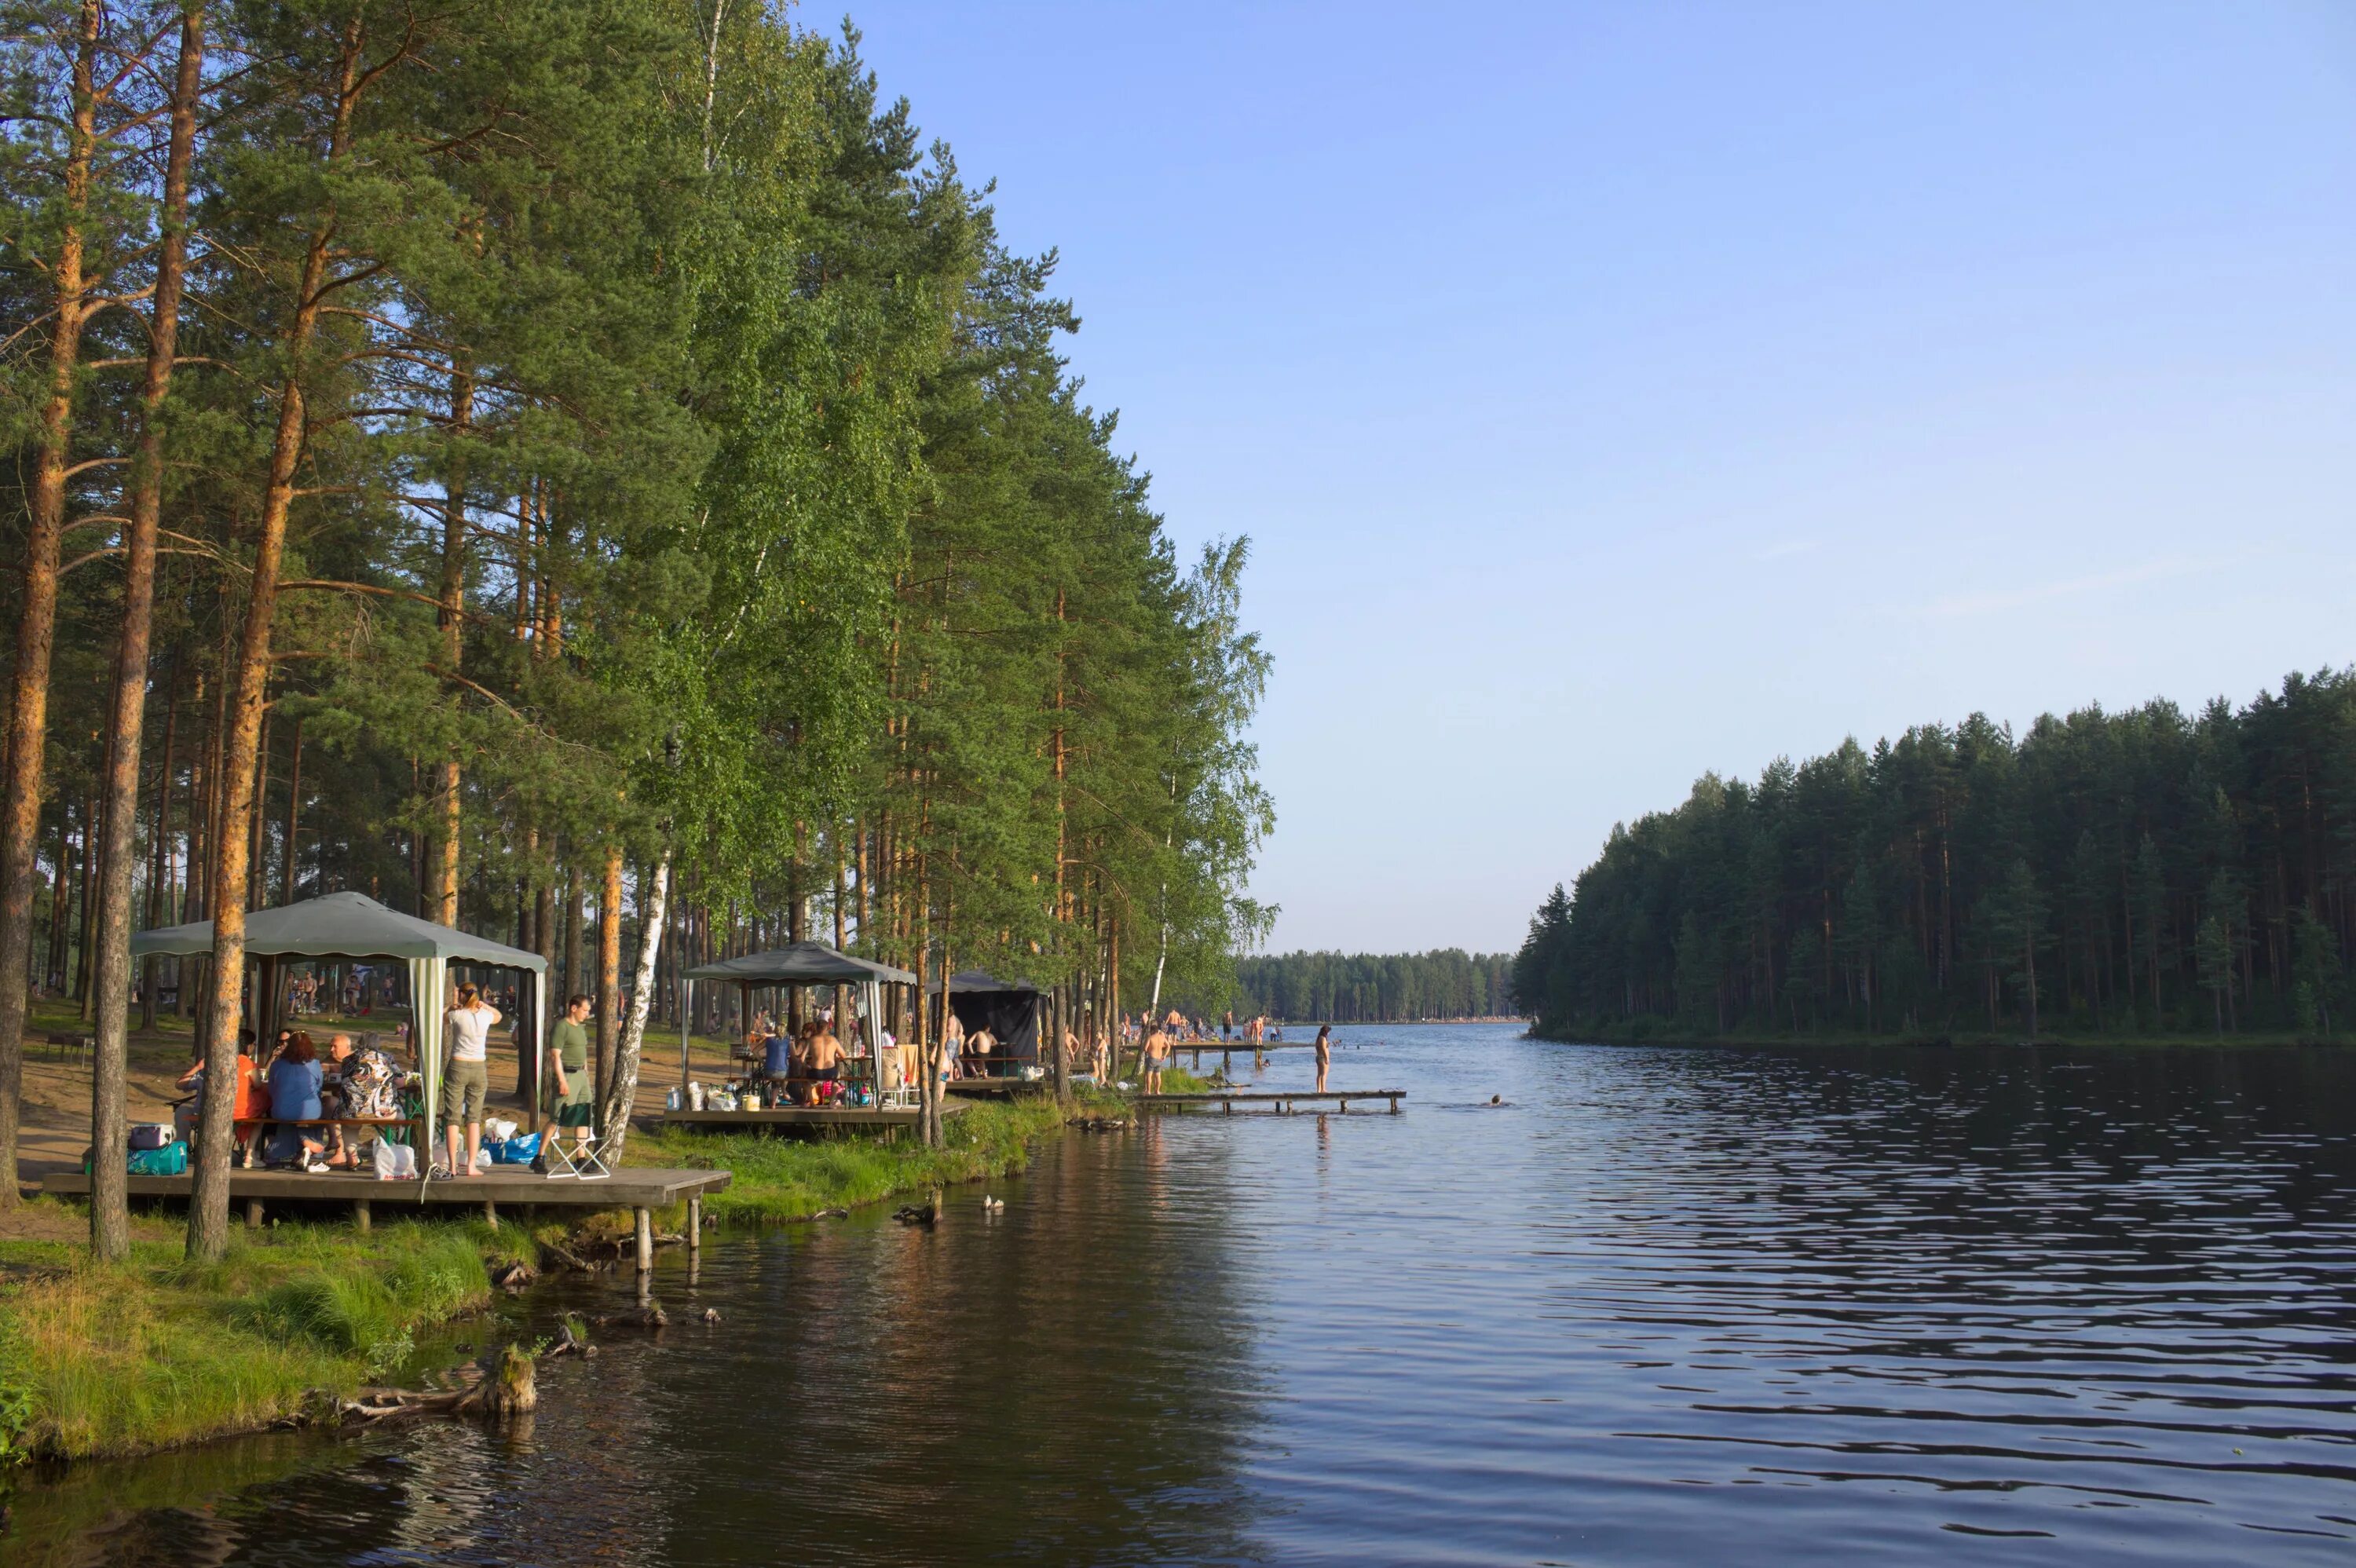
568,1068
1157,1052
825,1062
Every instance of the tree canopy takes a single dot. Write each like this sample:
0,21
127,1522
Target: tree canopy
2124,873
605,439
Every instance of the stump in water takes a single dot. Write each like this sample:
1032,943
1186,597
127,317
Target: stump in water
511,1386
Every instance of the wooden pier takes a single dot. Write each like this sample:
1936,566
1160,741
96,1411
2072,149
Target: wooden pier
632,1187
1282,1102
801,1116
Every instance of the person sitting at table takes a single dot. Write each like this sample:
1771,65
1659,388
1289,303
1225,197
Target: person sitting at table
247,1106
777,1056
357,1084
825,1058
295,1080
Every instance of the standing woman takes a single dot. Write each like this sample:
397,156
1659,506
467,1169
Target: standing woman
466,1077
1324,1053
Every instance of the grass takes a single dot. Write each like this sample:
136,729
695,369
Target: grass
779,1178
108,1360
113,1360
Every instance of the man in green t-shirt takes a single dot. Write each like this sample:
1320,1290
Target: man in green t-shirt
568,1068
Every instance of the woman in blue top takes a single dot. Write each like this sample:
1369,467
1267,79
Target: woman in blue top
295,1080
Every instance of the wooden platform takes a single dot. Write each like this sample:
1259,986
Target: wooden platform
801,1116
631,1188
998,1088
1279,1101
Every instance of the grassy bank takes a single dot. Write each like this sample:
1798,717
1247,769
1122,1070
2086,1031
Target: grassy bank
779,1178
97,1360
155,1352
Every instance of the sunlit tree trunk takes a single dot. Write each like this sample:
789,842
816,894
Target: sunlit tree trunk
109,1219
208,1198
37,608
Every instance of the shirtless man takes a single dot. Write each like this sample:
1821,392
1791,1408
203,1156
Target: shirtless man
1157,1050
826,1055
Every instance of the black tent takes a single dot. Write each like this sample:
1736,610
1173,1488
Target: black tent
1013,1011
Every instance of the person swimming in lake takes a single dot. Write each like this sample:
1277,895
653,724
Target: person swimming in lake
1324,1053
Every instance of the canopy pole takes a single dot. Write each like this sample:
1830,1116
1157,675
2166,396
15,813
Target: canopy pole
686,1013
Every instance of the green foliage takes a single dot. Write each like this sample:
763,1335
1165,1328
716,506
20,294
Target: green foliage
1364,987
2148,871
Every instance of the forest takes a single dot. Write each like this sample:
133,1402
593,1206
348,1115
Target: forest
1370,987
584,471
2149,873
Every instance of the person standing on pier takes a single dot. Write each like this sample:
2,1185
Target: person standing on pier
568,1069
1324,1053
466,1077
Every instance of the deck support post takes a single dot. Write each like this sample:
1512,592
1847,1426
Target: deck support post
253,1213
645,1242
361,1216
1394,1105
491,1212
695,1223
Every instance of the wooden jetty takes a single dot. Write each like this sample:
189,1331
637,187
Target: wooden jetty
1282,1102
634,1187
998,1088
802,1116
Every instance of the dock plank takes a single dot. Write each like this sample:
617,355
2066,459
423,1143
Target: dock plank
629,1187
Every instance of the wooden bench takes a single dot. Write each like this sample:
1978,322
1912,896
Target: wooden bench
65,1041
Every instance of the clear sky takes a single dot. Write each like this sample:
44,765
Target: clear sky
1617,392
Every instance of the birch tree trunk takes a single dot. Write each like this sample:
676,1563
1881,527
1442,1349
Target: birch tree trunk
622,1097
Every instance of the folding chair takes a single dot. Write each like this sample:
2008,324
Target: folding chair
582,1160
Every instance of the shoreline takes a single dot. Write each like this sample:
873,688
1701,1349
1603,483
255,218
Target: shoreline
151,1355
1965,1038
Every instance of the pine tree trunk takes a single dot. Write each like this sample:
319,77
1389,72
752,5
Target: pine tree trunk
208,1200
109,1218
291,882
609,971
37,611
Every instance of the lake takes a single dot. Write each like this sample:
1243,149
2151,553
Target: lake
1660,1305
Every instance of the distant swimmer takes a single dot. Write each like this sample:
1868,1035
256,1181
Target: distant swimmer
1324,1053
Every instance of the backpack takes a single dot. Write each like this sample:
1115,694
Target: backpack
172,1159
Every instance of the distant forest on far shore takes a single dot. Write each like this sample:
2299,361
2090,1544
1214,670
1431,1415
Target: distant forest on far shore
1375,987
2149,873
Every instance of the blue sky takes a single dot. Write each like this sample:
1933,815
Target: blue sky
1613,393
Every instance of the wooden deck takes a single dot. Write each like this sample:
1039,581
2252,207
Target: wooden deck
998,1088
800,1117
631,1188
1279,1100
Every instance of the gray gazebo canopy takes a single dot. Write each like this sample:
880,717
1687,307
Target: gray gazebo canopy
797,964
980,981
802,964
341,925
354,925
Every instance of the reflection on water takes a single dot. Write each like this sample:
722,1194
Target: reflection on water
1659,1307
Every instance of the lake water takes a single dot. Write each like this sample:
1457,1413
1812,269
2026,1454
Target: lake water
1659,1307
